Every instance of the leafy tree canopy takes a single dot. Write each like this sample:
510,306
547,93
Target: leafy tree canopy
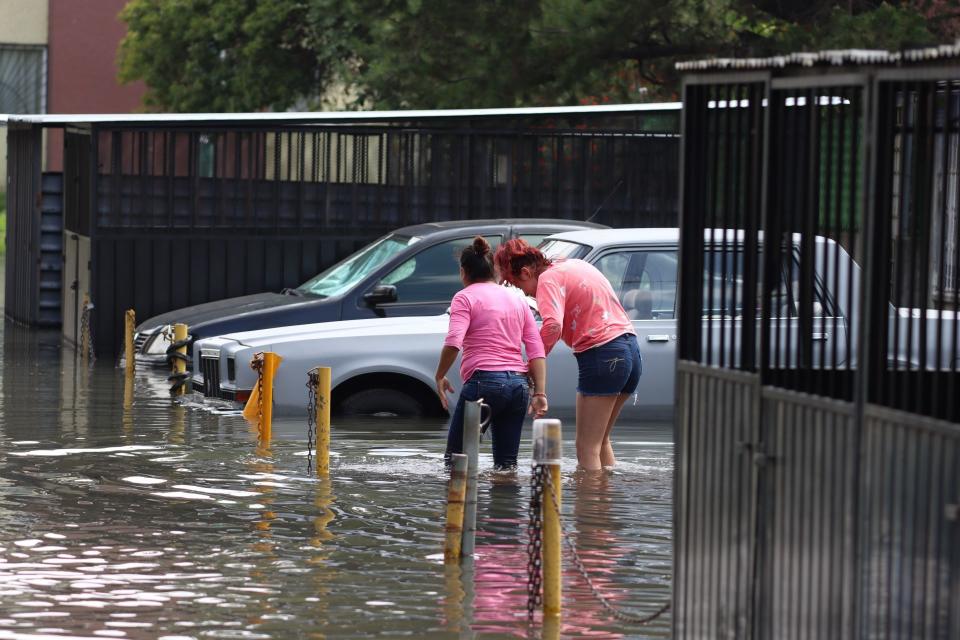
247,55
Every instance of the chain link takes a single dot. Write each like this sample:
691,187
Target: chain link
313,382
534,545
257,365
619,614
85,332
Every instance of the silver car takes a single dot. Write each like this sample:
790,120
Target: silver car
387,365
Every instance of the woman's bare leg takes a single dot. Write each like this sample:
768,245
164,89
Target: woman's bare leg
593,419
607,458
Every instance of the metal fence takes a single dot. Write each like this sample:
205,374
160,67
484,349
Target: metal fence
183,212
817,436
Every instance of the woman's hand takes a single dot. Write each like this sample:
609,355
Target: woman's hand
443,388
538,405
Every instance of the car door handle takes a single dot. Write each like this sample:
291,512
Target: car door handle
658,337
821,337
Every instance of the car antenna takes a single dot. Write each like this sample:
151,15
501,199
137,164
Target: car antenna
609,195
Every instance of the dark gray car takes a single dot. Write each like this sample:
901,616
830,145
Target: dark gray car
409,272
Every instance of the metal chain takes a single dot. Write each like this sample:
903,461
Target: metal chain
257,365
534,545
619,614
313,381
85,331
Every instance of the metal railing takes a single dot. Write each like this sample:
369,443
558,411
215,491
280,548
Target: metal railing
817,434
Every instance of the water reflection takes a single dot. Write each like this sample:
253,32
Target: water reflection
124,514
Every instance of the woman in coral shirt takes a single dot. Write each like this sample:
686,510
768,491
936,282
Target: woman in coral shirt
579,306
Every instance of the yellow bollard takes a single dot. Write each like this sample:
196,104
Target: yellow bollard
456,497
323,421
270,363
547,442
180,363
130,325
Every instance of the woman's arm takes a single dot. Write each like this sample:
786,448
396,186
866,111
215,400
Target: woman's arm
448,355
550,304
459,323
538,399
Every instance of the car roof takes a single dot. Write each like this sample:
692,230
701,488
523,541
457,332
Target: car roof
599,238
603,237
430,228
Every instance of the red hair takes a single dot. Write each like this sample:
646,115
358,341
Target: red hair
514,255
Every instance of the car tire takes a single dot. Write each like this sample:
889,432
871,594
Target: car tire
387,403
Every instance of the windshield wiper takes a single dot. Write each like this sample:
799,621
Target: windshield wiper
292,292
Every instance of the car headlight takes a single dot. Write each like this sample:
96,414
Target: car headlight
160,343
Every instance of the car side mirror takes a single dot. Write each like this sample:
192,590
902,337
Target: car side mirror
381,294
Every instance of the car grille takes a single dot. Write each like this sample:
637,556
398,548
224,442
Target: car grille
140,340
210,368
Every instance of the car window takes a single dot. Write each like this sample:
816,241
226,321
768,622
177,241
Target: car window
533,239
348,272
433,275
645,281
723,287
558,249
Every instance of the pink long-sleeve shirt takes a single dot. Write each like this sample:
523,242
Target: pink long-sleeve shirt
579,306
489,325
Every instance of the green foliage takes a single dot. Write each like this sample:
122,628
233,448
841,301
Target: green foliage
244,55
220,55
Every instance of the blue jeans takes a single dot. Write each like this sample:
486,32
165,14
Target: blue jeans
506,394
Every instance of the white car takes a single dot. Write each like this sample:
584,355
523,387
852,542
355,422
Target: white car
386,365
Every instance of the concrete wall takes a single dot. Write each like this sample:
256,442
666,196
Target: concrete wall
23,22
84,36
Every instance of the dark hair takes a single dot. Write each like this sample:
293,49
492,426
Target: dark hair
477,261
514,255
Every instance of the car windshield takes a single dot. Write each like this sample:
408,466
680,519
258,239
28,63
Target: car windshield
559,249
346,273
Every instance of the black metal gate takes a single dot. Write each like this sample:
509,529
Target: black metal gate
33,265
182,215
817,436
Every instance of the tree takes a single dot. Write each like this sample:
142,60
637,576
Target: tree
222,55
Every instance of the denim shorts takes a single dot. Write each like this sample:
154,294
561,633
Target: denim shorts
611,368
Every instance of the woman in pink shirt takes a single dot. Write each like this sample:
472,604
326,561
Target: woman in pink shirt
579,306
491,325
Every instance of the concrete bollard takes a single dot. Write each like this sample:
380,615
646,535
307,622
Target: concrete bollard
471,447
547,451
456,494
130,326
323,421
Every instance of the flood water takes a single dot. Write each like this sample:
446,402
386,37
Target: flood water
126,515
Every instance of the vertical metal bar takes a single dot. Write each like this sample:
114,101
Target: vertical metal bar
840,144
710,210
954,379
752,203
936,408
807,226
924,216
722,205
907,147
829,180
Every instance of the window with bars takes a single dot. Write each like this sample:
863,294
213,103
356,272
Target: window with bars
23,79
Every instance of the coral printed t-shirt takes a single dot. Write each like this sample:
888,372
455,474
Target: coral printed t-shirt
489,324
578,305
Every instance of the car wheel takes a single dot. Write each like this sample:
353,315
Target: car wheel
387,403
